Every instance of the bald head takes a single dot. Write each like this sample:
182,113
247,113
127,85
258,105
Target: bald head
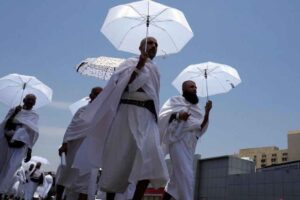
94,93
151,48
29,101
189,91
189,86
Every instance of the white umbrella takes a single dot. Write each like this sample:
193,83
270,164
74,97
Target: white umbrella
14,87
211,78
102,67
126,25
78,104
40,159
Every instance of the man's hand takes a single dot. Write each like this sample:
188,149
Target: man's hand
18,108
142,60
183,116
63,149
208,106
28,156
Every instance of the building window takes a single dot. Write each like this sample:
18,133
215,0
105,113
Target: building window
263,165
263,155
263,160
273,160
285,154
274,155
284,159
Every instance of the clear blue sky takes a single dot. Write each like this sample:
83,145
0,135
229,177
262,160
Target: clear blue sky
260,38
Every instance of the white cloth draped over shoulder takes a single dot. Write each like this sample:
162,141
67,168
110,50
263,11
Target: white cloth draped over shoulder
99,114
11,158
180,143
29,131
168,131
65,173
72,132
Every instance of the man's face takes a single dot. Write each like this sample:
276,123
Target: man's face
189,91
151,47
190,87
29,101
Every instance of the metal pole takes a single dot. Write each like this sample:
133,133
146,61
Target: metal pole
205,75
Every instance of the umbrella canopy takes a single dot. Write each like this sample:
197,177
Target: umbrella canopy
40,159
211,78
101,67
126,25
14,87
78,104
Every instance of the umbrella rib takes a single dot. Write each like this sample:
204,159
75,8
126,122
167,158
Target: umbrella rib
158,14
209,71
219,82
167,35
131,28
134,9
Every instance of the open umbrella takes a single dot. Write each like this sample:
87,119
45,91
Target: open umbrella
40,159
78,104
211,78
102,67
126,25
14,87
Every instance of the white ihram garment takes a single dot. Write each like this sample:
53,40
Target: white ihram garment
45,188
65,173
31,186
11,158
101,115
180,145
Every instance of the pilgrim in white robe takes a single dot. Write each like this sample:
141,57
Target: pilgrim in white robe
18,188
128,133
65,173
11,158
43,190
32,185
179,139
73,179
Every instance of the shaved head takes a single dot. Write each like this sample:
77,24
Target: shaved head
94,93
151,48
189,91
29,101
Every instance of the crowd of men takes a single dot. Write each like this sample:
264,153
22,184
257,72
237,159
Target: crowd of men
122,132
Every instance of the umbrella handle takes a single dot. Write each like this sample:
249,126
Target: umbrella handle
205,75
23,89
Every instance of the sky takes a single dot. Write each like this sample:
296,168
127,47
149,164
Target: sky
259,38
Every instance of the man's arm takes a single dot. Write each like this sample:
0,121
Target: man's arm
179,116
142,61
208,107
28,156
63,149
9,123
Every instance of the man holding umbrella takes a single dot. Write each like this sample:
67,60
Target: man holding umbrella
18,134
181,124
125,138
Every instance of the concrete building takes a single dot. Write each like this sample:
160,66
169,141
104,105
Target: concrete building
272,155
294,145
232,178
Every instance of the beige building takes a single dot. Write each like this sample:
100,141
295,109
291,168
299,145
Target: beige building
270,155
294,145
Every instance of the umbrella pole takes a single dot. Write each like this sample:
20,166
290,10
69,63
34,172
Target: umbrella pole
147,27
23,89
205,75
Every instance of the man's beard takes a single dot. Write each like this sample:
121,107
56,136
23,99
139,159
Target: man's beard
190,97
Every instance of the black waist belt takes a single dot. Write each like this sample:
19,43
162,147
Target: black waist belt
149,105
